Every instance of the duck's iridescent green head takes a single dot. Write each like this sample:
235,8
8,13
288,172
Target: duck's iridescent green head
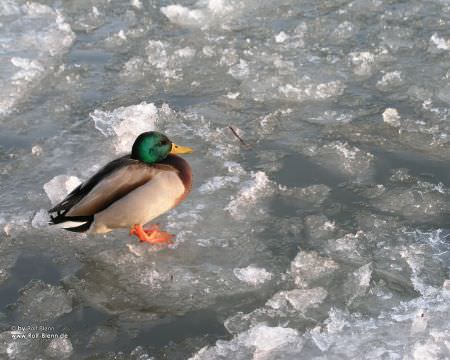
152,147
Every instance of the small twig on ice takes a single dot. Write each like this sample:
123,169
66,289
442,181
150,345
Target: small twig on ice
240,139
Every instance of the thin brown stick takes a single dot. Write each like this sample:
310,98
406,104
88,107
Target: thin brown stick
239,138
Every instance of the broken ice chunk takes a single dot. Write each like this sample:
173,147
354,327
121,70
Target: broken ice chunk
185,52
419,200
308,267
205,13
126,123
266,338
420,322
389,80
439,42
34,38
182,15
7,261
40,219
428,350
343,158
362,62
136,3
58,187
299,299
240,70
259,186
336,322
12,348
385,336
103,335
36,150
358,282
313,195
348,244
217,183
391,117
305,91
319,227
260,342
59,348
344,31
252,275
289,307
281,37
43,302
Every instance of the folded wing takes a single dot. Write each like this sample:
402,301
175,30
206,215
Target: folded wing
111,183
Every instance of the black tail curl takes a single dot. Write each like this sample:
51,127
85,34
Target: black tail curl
60,217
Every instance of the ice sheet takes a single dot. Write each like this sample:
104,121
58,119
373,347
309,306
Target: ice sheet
40,302
34,38
323,235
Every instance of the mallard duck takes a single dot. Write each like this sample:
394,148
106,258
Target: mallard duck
130,191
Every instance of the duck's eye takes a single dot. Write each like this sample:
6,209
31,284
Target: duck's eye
164,142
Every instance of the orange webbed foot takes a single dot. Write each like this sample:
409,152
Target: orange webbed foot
151,229
152,235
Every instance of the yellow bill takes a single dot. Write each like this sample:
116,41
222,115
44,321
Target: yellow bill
177,149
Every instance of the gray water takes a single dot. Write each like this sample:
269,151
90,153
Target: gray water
326,238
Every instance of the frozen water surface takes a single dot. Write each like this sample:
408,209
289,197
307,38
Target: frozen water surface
326,237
